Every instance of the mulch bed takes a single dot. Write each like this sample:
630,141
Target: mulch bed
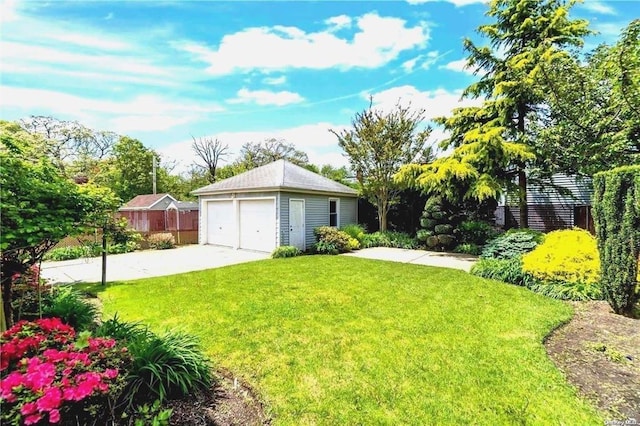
229,403
599,352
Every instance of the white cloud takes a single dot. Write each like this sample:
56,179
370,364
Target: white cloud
140,113
409,65
266,97
597,6
336,23
275,81
609,30
459,66
436,103
314,139
8,10
377,41
457,3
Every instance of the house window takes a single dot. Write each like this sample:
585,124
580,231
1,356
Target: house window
334,212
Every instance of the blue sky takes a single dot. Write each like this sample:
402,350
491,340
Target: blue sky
243,71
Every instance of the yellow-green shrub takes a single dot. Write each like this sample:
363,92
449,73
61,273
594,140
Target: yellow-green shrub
568,255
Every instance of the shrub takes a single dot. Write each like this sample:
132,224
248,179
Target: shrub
355,231
50,374
285,251
332,241
616,212
162,241
506,270
565,256
171,365
567,291
512,243
69,305
468,248
389,239
475,232
74,252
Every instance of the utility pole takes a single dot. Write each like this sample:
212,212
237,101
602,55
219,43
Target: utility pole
154,173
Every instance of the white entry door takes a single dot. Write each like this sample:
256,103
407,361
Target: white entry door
296,224
220,223
258,225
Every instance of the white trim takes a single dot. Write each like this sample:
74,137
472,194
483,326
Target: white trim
337,200
166,195
304,221
278,189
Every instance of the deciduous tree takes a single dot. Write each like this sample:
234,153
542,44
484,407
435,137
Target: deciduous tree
209,152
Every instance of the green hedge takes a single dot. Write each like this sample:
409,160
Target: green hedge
616,213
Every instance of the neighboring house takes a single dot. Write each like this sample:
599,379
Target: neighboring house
549,208
273,205
160,212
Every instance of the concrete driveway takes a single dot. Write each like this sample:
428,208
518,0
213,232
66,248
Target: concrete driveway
147,263
418,257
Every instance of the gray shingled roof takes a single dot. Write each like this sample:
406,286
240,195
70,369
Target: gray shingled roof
279,175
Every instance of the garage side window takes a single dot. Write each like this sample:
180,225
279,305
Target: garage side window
334,212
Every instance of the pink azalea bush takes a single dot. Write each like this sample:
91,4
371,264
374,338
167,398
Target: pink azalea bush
48,373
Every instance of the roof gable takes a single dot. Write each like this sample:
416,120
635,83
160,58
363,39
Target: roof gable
279,175
145,201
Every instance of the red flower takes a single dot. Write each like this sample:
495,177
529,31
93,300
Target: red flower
111,373
32,419
28,408
51,400
54,416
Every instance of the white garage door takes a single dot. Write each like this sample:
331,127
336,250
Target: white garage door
220,224
258,225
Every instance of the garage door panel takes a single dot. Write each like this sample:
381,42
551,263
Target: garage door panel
220,223
257,225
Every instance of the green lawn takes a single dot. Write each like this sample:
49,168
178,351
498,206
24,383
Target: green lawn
341,340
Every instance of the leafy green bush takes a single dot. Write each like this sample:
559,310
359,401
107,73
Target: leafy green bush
468,248
567,291
74,252
161,241
512,243
167,366
355,231
285,251
71,307
122,331
475,232
333,241
506,270
616,212
390,239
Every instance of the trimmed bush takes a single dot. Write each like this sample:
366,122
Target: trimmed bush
355,231
162,241
285,251
333,241
512,243
616,212
567,255
468,248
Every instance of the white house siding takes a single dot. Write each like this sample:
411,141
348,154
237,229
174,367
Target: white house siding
316,213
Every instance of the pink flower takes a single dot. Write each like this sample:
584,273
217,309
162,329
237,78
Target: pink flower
28,408
51,400
54,416
111,373
32,419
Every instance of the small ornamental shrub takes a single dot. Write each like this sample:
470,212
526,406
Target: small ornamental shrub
355,231
616,213
332,241
50,375
167,366
468,248
162,241
505,270
390,239
69,305
74,252
475,232
285,251
565,256
512,243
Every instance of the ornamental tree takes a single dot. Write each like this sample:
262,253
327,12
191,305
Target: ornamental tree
39,206
490,145
377,145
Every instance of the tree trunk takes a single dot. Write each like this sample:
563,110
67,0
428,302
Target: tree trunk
524,209
382,216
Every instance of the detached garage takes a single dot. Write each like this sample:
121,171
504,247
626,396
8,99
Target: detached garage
273,205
